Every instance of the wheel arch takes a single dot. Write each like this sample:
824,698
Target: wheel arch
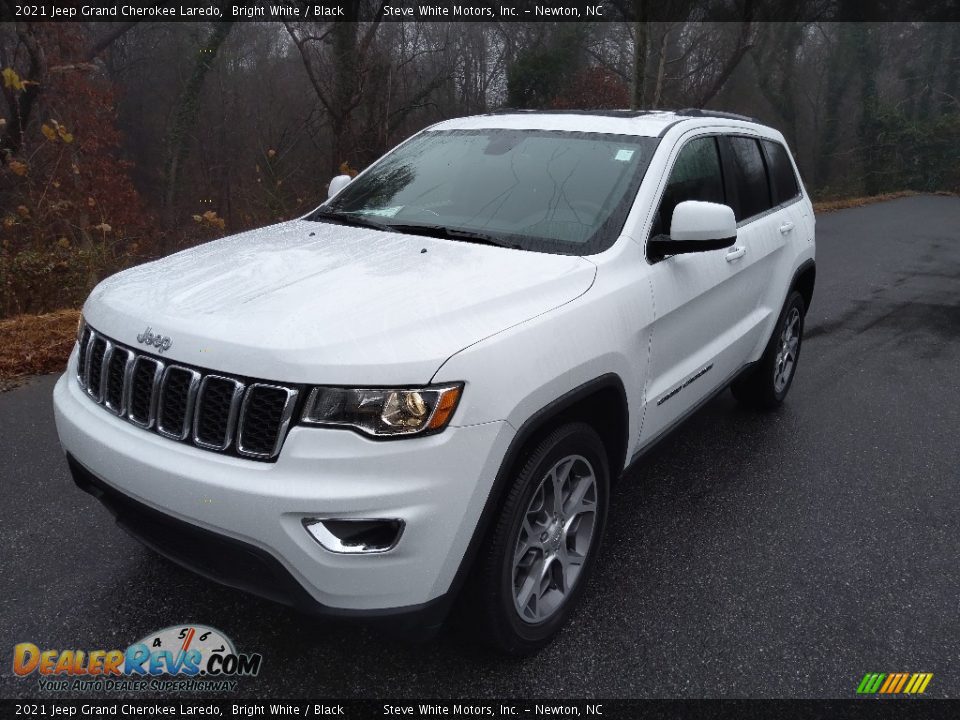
803,281
601,402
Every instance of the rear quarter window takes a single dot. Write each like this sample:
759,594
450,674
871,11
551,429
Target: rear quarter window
782,176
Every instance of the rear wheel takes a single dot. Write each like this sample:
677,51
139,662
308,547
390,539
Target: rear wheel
543,547
768,383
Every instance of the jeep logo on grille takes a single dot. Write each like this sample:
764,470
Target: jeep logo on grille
148,337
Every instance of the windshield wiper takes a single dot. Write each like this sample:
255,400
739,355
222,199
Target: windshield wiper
449,233
348,219
437,231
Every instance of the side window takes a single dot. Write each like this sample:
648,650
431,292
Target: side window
783,179
696,175
749,178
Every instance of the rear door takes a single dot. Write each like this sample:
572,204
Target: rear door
767,221
795,224
704,303
761,227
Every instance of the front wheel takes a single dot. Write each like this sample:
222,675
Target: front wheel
544,545
768,383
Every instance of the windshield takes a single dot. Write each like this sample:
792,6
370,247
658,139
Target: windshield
547,191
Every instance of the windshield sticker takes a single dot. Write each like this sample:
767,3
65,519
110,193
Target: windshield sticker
623,155
384,212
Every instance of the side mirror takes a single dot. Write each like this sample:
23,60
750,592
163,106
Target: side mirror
696,227
338,184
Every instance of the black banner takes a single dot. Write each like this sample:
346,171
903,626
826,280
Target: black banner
600,709
480,10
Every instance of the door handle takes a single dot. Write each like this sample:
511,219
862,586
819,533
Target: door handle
736,253
786,227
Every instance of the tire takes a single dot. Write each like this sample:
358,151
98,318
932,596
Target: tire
537,537
768,383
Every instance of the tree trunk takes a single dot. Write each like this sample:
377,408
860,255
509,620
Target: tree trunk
21,102
743,47
639,65
661,69
185,118
867,58
346,90
641,38
936,49
950,97
777,52
839,71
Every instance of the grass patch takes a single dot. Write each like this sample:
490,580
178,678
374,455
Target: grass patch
825,206
35,344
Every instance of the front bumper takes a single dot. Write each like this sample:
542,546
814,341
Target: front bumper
176,497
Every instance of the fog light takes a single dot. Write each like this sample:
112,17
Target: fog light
354,536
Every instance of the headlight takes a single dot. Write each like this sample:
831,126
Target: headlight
383,412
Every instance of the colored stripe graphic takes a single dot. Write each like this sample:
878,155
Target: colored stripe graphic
918,683
891,681
894,683
871,683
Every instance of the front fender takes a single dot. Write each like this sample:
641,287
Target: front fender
514,374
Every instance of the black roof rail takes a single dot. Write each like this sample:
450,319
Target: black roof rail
685,112
554,111
700,112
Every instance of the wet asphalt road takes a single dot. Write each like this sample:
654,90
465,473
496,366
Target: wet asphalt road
750,556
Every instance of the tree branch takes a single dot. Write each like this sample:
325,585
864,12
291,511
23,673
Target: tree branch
116,32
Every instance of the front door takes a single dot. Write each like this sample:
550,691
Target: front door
705,303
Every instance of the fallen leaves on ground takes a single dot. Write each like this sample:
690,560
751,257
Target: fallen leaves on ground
825,206
36,344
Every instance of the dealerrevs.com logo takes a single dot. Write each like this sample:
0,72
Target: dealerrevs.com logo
181,657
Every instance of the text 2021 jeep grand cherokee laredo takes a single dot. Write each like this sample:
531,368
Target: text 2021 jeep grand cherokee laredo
423,389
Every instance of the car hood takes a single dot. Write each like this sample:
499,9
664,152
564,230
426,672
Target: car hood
322,303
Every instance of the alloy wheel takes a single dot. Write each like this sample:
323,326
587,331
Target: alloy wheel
786,360
555,537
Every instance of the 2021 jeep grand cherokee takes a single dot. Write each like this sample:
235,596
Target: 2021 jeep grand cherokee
424,388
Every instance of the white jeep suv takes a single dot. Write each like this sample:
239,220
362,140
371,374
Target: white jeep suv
423,389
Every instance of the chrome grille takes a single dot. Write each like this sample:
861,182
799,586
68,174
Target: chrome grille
264,417
82,356
178,392
96,351
212,411
216,411
117,370
144,385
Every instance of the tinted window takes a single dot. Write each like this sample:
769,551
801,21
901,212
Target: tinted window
784,180
749,178
696,175
561,192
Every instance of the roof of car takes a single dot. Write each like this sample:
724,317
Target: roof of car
650,123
